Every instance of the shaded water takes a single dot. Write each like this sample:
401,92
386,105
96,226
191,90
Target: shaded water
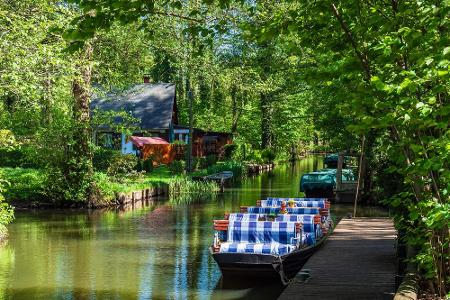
157,251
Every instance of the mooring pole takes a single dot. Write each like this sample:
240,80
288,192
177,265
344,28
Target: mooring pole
340,164
358,185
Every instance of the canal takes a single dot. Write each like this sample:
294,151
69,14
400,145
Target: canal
155,251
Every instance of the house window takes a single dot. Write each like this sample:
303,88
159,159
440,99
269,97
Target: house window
183,137
105,140
108,140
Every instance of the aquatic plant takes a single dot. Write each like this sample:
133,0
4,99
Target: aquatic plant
185,190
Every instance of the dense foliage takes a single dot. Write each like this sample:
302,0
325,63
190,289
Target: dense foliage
7,142
282,76
387,65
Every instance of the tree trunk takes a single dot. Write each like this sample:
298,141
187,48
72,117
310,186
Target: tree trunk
47,102
234,110
266,121
80,163
81,113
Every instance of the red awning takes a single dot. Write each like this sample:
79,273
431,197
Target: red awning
140,141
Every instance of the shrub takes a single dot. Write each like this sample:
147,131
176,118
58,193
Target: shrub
177,166
203,162
10,158
196,163
105,185
140,165
147,165
6,211
103,158
255,156
268,155
238,168
24,184
211,159
229,150
19,157
179,143
72,185
122,164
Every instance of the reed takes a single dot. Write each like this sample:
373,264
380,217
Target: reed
184,190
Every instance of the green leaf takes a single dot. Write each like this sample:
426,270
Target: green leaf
407,117
442,73
177,5
414,215
446,50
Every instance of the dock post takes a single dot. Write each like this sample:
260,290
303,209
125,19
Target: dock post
340,164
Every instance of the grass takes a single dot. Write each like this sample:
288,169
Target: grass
238,169
111,186
28,184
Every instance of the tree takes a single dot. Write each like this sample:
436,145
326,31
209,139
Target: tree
388,62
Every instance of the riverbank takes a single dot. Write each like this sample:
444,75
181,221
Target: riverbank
3,234
30,188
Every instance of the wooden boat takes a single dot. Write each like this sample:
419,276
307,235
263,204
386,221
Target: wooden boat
265,266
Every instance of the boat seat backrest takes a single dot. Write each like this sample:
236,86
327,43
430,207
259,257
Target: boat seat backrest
276,210
306,220
243,217
296,199
263,210
262,232
277,203
308,224
303,210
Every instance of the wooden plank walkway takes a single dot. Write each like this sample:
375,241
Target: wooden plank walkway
357,262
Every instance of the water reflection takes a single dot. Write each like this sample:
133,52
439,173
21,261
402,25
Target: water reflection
152,250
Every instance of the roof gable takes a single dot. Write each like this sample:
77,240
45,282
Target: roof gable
153,104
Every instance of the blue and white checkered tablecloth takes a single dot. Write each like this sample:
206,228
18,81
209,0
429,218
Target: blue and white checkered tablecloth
262,232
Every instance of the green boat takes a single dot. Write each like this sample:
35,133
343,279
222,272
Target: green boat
322,183
331,161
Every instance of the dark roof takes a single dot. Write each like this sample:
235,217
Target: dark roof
153,104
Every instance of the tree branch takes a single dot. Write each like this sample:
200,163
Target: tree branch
362,57
170,14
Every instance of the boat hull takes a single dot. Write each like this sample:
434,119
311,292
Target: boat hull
252,265
320,193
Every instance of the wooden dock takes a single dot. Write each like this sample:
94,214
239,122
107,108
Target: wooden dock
357,262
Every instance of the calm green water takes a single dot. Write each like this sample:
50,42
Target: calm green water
158,251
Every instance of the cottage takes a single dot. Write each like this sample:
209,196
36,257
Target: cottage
155,106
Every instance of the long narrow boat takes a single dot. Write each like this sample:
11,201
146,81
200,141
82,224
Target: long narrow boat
282,266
